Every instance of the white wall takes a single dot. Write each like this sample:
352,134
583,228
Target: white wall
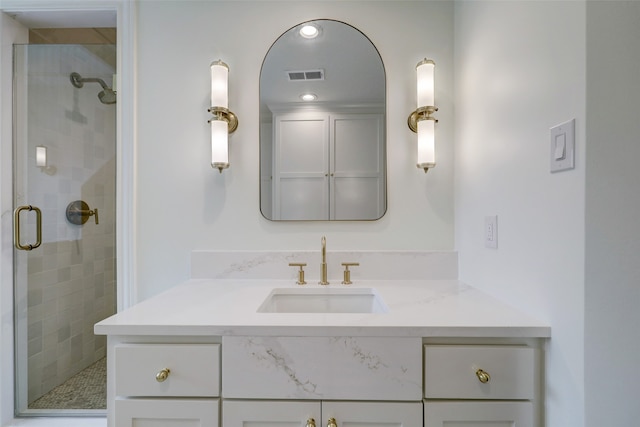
612,293
520,69
183,204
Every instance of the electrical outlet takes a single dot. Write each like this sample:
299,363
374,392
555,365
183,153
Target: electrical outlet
491,232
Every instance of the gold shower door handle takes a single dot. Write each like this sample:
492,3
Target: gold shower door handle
16,228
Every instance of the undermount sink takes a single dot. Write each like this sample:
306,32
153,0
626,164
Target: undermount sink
323,300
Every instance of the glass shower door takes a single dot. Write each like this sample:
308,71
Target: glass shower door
64,224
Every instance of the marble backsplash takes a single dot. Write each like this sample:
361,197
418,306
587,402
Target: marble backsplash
374,265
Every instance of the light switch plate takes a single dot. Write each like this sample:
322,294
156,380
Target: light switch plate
562,145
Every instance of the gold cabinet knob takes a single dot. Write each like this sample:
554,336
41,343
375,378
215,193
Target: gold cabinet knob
483,376
311,423
332,423
163,375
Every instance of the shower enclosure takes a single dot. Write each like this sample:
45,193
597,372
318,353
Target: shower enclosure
64,223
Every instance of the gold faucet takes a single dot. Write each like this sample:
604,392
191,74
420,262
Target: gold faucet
323,266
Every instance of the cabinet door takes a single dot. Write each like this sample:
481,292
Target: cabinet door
378,414
166,413
357,161
301,167
478,414
269,413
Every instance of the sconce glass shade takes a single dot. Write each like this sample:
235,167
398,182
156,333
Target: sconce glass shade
219,84
426,143
425,71
219,144
223,121
41,156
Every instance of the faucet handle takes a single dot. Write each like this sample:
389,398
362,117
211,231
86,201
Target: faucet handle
347,272
300,272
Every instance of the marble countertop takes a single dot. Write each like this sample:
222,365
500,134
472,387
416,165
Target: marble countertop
417,308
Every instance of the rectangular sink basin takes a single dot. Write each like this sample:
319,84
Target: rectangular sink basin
323,300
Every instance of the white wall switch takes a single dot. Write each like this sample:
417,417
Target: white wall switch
491,232
562,146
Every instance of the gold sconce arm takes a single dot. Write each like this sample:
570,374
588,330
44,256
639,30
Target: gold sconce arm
422,113
223,114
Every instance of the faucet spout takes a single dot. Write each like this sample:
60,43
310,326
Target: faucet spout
323,265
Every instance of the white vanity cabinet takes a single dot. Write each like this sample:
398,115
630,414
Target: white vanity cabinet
320,414
488,385
321,381
162,385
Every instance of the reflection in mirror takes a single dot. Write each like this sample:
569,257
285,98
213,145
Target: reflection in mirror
322,125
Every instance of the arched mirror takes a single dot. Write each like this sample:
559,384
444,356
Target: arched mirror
322,125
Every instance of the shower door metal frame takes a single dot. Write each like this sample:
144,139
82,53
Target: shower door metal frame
23,250
19,257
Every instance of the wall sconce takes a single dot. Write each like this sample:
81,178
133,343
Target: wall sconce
42,161
421,120
223,121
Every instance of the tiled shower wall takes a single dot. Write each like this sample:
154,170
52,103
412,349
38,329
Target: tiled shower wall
71,277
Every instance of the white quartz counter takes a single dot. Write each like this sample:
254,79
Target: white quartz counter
420,308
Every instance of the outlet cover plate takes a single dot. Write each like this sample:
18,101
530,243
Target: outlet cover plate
491,232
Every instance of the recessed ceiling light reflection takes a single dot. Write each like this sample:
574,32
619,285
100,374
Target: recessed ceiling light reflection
309,31
309,97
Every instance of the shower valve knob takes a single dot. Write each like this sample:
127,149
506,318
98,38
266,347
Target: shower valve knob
78,213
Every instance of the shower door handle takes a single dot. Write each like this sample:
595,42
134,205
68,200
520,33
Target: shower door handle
16,228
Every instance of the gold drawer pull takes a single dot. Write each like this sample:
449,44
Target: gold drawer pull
311,422
163,375
483,376
332,423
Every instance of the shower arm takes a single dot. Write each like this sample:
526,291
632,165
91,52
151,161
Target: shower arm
95,80
78,81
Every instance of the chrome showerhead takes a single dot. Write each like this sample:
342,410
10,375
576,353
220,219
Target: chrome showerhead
106,96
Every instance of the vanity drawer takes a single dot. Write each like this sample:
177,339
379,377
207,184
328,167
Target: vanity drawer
456,372
193,370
